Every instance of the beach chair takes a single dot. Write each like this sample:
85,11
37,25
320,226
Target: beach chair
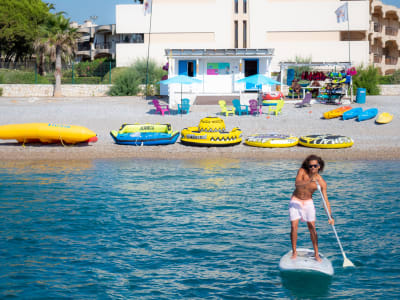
306,101
240,109
160,108
254,107
226,109
277,108
184,107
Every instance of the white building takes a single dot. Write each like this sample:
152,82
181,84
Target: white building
291,28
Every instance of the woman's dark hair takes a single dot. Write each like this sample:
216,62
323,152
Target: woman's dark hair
311,157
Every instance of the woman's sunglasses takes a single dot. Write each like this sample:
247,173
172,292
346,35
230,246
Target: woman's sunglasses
313,166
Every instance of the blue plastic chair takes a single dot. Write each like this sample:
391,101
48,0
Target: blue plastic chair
184,107
240,109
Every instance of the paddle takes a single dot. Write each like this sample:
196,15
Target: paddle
346,261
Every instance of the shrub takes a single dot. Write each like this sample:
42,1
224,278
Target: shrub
136,75
367,78
97,67
115,73
21,77
127,84
1,92
390,79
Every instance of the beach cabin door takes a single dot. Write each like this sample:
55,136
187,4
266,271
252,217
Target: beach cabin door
250,68
187,67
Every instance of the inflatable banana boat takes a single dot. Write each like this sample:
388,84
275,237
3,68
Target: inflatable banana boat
145,134
272,140
47,133
326,141
210,133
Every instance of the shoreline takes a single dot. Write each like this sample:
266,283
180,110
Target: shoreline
103,114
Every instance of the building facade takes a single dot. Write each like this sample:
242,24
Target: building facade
384,37
293,28
99,41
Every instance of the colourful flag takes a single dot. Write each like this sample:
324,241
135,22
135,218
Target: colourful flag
342,13
147,7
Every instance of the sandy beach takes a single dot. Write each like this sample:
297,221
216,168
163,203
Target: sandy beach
102,114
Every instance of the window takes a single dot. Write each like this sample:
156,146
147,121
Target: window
244,34
236,6
245,6
138,38
236,35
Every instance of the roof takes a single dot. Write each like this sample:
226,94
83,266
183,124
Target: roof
245,52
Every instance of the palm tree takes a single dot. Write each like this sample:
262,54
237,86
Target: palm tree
60,41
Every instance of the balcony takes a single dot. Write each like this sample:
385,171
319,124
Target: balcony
391,31
390,60
101,46
377,27
377,58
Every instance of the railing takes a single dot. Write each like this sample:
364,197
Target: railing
377,58
390,60
377,27
391,30
107,45
83,47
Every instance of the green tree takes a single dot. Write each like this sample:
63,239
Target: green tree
19,26
60,42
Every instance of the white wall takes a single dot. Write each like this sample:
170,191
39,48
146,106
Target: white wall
208,17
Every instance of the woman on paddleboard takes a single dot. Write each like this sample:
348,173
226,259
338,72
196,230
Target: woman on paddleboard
301,206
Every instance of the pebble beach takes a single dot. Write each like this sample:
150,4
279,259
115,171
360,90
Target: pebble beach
103,114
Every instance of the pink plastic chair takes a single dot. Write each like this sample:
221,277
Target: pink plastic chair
160,108
254,107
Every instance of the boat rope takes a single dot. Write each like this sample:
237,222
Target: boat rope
62,142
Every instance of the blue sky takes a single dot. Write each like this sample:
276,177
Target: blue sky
81,10
392,2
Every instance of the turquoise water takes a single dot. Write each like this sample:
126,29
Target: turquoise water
212,229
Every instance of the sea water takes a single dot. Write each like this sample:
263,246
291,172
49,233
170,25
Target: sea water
200,229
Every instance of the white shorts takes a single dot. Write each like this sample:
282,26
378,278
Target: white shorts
301,209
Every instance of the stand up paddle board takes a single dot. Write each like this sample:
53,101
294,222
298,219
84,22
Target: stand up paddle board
305,262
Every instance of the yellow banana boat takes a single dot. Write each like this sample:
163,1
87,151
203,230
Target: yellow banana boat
47,133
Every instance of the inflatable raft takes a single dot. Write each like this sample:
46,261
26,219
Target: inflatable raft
272,140
211,132
335,113
326,141
47,133
145,134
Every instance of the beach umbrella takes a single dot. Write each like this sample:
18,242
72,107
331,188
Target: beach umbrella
181,79
258,80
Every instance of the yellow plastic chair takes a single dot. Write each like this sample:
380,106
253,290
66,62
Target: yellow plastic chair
226,109
276,109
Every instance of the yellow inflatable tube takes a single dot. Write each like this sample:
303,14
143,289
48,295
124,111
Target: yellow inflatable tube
47,133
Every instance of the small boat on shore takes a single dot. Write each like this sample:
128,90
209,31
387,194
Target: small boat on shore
352,113
384,118
145,135
47,133
272,140
211,132
367,114
326,141
337,112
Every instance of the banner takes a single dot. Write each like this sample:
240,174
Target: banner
342,13
147,7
